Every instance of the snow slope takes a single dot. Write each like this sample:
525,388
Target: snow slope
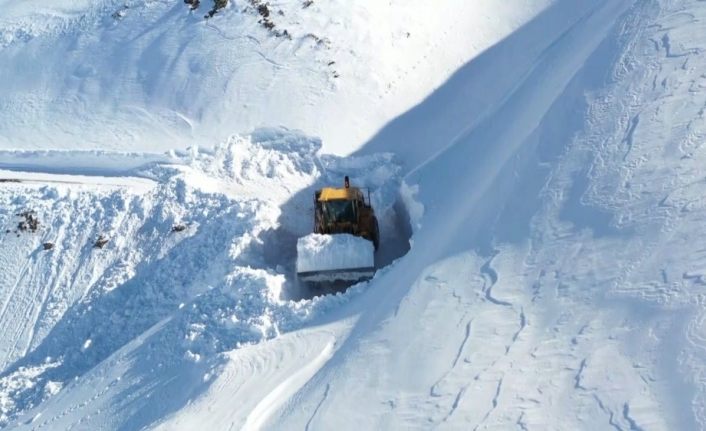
562,278
554,280
149,75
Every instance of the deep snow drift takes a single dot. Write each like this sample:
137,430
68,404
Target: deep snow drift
552,185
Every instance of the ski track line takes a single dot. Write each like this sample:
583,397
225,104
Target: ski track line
272,401
37,308
494,401
467,335
39,312
516,335
56,278
607,411
631,421
318,406
33,309
10,302
456,403
11,294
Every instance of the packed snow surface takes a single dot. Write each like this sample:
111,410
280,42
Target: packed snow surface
544,160
334,252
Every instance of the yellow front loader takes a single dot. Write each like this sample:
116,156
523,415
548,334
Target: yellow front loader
345,238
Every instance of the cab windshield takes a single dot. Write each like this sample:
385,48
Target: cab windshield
339,211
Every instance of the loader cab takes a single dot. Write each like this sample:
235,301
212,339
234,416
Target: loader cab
340,211
337,208
345,210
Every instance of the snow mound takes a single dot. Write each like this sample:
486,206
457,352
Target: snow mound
334,252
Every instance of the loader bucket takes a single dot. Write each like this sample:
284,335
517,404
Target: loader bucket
337,257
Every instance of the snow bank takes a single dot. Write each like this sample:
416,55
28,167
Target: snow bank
95,162
219,283
333,252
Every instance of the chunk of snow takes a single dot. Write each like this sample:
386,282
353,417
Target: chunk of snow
191,356
330,252
52,387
